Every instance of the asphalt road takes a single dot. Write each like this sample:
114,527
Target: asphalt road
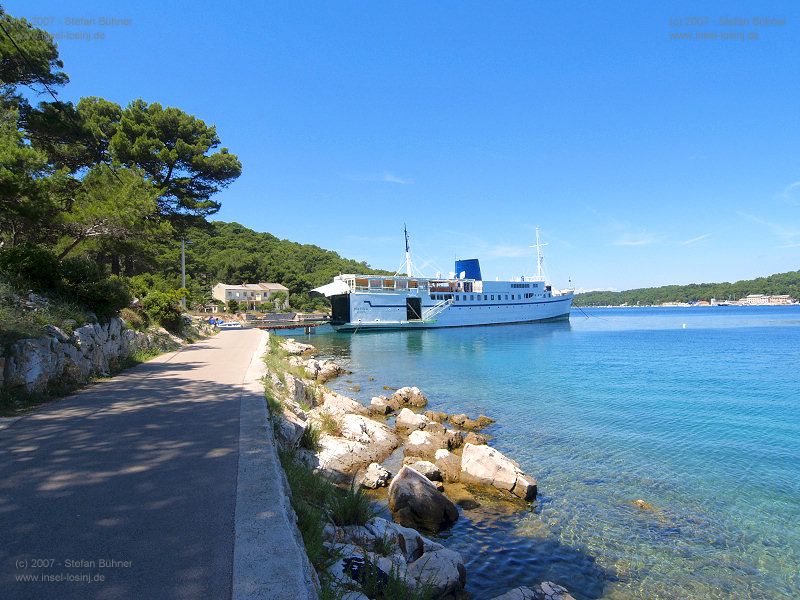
140,469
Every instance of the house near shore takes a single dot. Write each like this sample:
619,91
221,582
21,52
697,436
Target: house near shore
249,295
767,300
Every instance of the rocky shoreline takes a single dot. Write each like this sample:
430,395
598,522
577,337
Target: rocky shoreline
429,463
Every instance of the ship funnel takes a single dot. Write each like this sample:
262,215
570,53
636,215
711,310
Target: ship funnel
470,267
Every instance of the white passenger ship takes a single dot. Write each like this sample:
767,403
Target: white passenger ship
380,302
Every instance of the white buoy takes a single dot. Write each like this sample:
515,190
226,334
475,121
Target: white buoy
684,325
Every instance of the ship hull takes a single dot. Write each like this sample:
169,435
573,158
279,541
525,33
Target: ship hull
384,312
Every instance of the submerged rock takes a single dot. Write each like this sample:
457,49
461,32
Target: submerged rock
415,502
487,466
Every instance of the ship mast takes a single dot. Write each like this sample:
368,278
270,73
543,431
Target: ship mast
539,255
408,252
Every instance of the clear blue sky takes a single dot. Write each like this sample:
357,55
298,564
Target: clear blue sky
645,159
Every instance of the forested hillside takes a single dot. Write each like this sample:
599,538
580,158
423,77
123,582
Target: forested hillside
780,283
232,253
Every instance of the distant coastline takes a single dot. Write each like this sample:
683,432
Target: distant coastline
780,289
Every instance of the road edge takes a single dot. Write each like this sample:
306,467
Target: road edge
269,559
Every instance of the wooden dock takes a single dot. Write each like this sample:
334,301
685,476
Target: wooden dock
308,327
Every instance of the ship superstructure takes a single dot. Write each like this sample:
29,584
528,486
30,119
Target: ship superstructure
368,302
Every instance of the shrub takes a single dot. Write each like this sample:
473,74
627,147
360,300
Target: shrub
163,308
134,318
28,265
81,270
233,306
105,297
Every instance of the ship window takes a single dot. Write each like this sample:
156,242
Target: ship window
485,297
492,296
471,298
506,296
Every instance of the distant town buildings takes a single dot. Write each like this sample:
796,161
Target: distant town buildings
763,300
249,295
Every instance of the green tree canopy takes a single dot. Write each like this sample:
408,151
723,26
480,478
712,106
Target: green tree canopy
28,56
174,150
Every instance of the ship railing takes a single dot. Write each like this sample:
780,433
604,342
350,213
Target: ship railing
436,309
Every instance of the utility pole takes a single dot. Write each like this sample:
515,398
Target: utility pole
183,271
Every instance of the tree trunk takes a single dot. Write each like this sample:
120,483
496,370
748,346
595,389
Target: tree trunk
115,269
70,248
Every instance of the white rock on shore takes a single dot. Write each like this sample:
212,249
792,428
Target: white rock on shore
487,466
426,468
363,441
442,570
424,444
293,347
376,476
409,420
339,405
408,396
379,405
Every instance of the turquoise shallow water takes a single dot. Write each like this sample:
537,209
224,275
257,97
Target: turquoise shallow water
696,411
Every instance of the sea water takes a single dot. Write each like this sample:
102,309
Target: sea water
696,411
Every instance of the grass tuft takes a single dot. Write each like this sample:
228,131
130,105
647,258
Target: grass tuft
329,424
351,506
310,438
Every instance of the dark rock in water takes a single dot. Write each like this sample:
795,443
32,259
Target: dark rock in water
449,464
433,415
463,421
415,502
458,420
476,439
483,420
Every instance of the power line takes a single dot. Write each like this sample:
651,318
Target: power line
28,62
47,87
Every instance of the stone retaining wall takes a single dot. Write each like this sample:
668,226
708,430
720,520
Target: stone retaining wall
31,365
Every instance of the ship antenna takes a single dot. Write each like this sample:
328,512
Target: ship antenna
408,252
539,255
